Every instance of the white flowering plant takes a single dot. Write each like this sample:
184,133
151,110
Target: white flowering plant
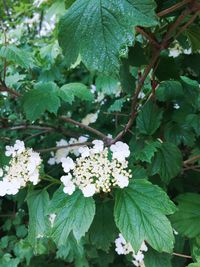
99,133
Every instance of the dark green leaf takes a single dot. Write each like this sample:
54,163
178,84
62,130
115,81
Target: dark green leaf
75,213
149,118
167,162
68,92
38,221
187,219
112,20
103,230
140,215
42,98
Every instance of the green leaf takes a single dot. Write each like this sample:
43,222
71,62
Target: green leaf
72,250
145,151
140,211
169,90
193,35
99,29
194,264
149,118
179,134
107,85
187,219
194,121
42,98
117,105
191,90
17,55
7,261
155,259
167,162
23,250
103,230
38,221
69,91
74,213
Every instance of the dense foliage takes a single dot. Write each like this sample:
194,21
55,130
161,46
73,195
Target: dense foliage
100,133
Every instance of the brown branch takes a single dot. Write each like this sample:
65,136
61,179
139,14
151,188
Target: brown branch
182,255
190,21
31,127
86,127
165,44
173,8
10,91
36,135
148,36
191,160
55,148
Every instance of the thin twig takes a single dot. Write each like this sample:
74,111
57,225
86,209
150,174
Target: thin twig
86,127
165,44
148,36
49,149
173,8
10,91
182,255
191,160
190,21
36,135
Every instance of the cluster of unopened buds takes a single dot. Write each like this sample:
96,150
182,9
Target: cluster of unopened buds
122,247
97,169
23,167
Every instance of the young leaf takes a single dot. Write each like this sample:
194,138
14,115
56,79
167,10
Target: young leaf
74,213
167,162
17,55
42,98
98,29
149,118
71,90
38,221
187,219
140,211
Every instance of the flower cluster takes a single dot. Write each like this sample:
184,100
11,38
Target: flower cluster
23,167
124,248
98,169
64,152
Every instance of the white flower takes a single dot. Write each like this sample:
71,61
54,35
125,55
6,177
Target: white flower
98,146
84,151
1,172
121,180
67,164
19,146
143,247
120,151
93,171
52,217
90,118
62,152
10,151
23,167
176,106
139,256
3,189
89,190
123,248
141,95
51,161
69,186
